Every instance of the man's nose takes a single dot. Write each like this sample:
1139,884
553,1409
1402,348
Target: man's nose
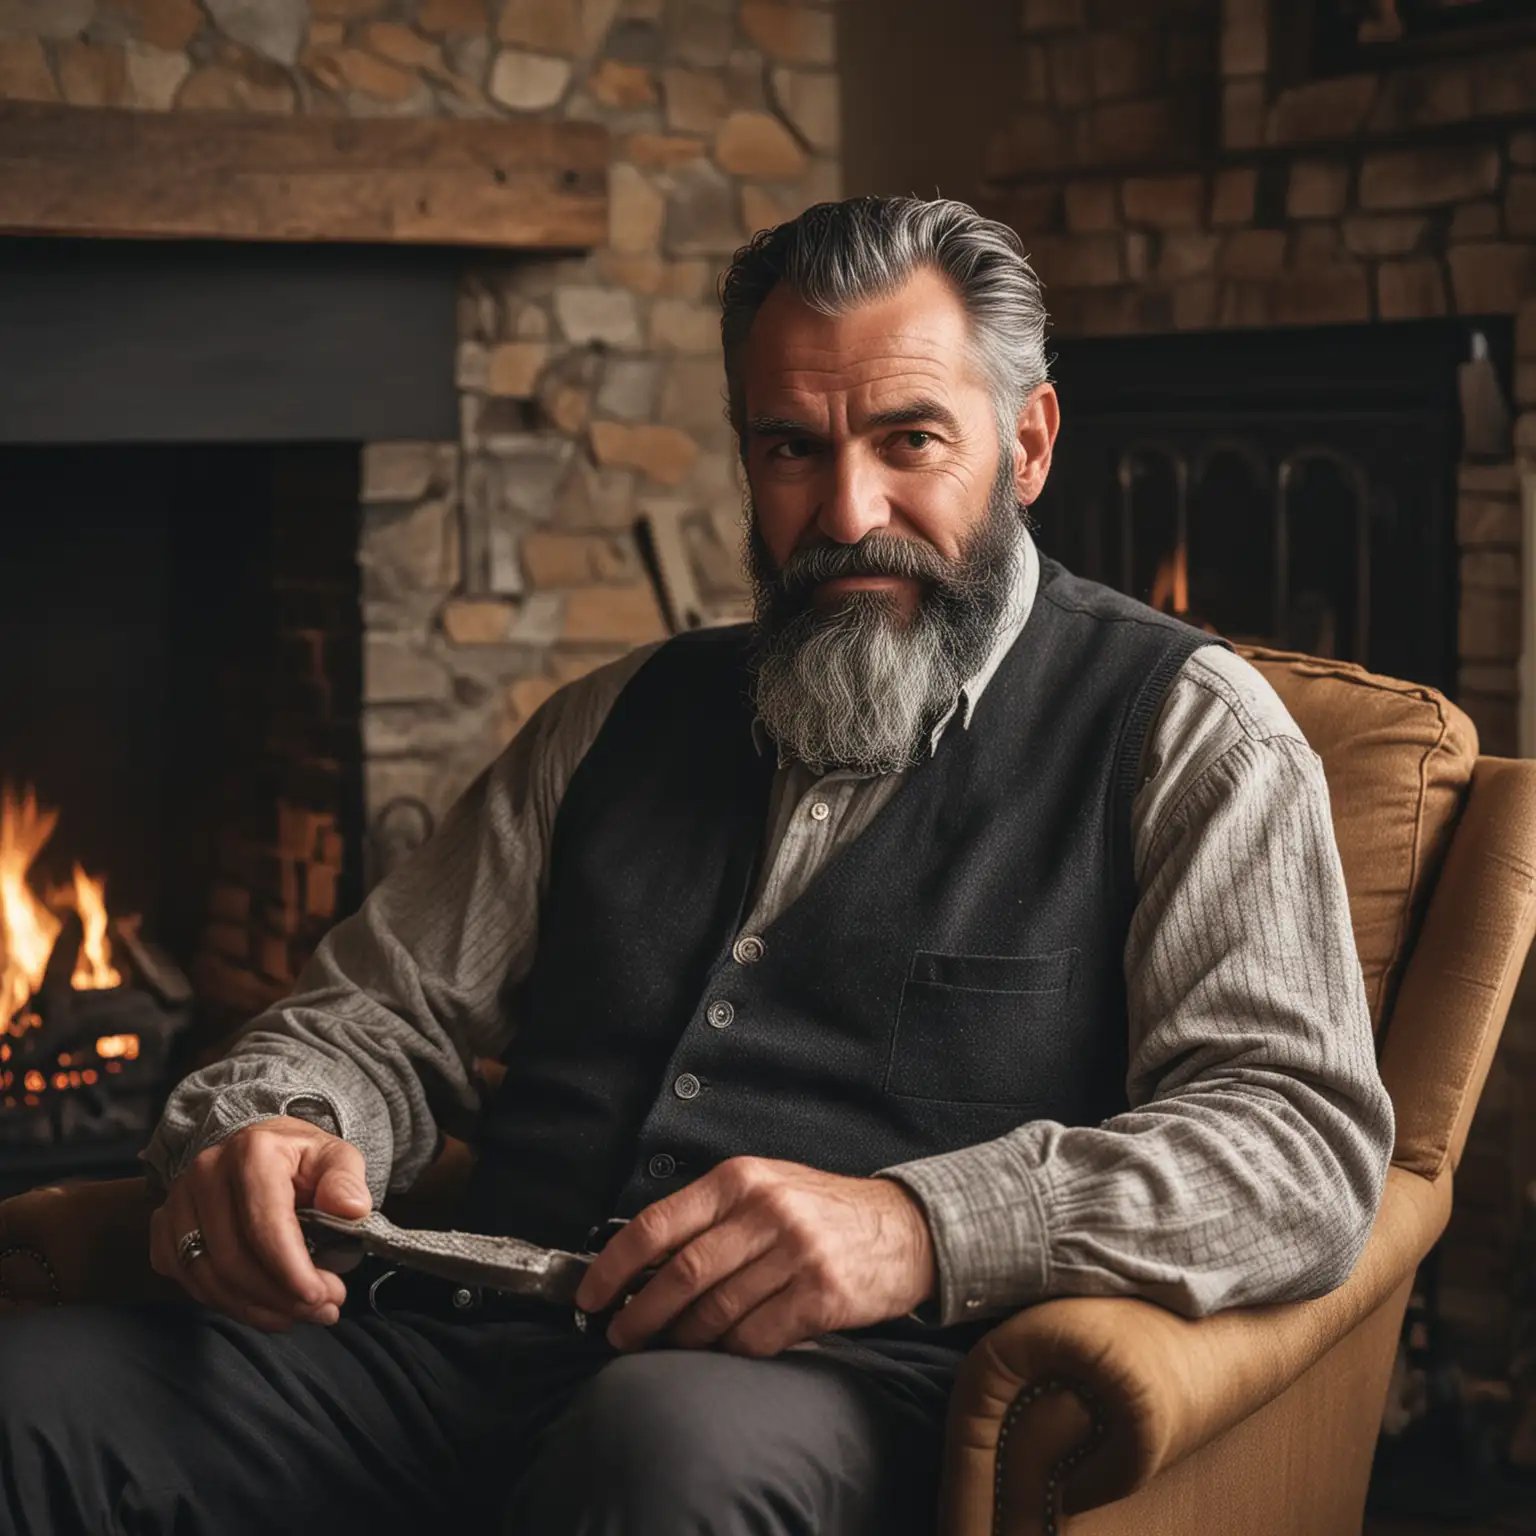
855,501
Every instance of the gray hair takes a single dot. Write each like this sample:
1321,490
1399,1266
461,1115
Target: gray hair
836,256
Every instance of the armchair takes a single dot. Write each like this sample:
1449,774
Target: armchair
1106,1416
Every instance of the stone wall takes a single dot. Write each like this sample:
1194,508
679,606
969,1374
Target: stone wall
499,566
1107,83
1159,188
1215,201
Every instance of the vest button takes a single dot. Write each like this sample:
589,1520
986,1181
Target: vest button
463,1297
663,1165
720,1013
820,810
748,949
687,1086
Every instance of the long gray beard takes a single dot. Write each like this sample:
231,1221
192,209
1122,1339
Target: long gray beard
858,684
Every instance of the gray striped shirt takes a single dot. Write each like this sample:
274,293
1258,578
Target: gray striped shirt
1247,1168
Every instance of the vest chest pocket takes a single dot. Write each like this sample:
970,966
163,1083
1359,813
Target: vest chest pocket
984,1029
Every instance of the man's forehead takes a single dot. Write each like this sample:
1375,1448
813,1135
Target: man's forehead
916,338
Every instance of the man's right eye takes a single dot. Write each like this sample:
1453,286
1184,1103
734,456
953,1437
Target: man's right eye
794,448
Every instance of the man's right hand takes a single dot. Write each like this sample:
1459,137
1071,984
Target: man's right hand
242,1195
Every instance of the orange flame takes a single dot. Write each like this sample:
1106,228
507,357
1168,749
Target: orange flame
27,927
28,930
1170,587
94,971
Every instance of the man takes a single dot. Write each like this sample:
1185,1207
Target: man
963,934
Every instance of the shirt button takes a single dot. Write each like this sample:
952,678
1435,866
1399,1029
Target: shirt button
820,810
748,949
463,1298
687,1086
720,1013
663,1165
972,1303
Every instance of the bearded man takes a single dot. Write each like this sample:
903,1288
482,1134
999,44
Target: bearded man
959,934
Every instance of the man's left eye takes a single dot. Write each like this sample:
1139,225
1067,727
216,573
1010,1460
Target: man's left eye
916,439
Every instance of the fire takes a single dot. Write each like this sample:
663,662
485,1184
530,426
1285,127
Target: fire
28,928
94,971
1170,588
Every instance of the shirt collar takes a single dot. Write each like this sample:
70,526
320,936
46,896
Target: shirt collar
1015,616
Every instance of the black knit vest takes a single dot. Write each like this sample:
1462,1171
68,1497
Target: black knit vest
953,972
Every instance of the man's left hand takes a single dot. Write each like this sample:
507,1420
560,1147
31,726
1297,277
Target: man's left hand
764,1254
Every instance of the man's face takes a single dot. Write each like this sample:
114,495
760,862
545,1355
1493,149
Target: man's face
886,520
877,421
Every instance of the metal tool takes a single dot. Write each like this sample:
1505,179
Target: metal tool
468,1258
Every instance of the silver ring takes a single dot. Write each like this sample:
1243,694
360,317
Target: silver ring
191,1246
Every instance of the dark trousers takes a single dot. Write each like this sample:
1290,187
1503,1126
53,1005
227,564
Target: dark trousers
175,1421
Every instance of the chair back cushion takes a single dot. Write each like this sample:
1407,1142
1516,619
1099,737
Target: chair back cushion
1398,758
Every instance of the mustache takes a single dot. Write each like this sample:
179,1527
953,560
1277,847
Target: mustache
877,554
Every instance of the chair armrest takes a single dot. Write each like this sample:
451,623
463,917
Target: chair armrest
1087,1399
71,1243
74,1243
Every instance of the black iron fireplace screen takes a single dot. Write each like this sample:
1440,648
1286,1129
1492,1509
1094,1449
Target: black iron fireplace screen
1292,488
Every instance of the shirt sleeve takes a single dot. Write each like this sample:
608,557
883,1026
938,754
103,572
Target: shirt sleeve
1250,1162
378,1041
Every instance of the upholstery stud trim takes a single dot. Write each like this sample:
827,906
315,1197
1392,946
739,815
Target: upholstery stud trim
1062,1468
42,1263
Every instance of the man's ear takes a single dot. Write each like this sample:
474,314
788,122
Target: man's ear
1034,441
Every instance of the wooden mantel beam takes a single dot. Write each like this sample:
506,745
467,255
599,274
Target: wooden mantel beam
524,183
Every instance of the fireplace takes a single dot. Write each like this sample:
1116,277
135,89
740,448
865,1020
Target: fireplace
1290,488
182,453
184,636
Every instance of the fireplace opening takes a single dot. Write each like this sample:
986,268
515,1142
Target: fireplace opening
181,765
184,429
1290,488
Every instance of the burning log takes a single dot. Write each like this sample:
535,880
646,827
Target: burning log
54,991
107,1048
152,967
83,1050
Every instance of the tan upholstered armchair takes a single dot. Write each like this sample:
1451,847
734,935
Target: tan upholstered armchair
1113,1416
